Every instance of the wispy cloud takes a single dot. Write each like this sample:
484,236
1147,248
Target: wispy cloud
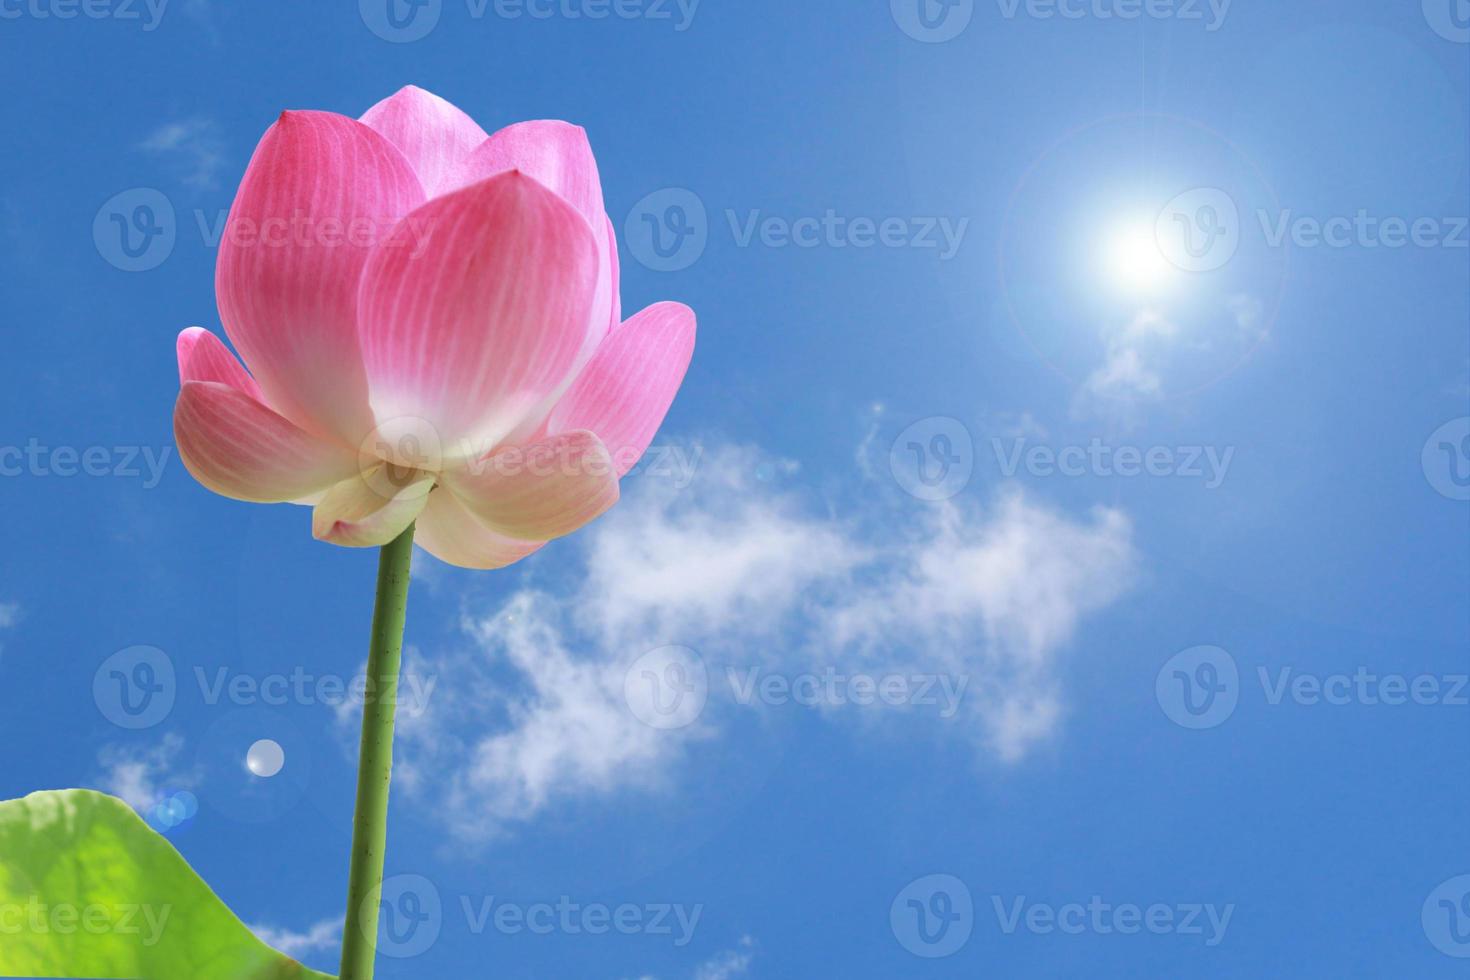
9,616
725,965
741,570
321,937
135,775
194,146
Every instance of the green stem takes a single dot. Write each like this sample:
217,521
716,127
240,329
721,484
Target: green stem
375,761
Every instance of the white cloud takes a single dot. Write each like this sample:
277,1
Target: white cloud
9,616
747,574
195,145
135,775
726,965
321,937
1131,374
731,963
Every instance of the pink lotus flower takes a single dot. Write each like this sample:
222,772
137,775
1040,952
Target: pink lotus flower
431,322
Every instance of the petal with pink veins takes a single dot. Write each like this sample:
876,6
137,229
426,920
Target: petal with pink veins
625,391
541,491
372,508
452,534
477,326
320,192
237,447
204,357
434,134
558,155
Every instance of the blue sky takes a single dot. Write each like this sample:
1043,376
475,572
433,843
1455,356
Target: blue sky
1083,385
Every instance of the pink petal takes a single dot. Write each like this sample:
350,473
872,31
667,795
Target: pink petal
558,155
482,322
370,509
237,447
433,134
320,191
452,534
626,389
204,357
542,491
614,281
555,153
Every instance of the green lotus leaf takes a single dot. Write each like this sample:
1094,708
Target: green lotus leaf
87,889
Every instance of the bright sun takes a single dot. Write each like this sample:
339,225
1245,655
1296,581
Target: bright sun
1133,260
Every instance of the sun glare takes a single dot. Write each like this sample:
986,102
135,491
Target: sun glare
1133,261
